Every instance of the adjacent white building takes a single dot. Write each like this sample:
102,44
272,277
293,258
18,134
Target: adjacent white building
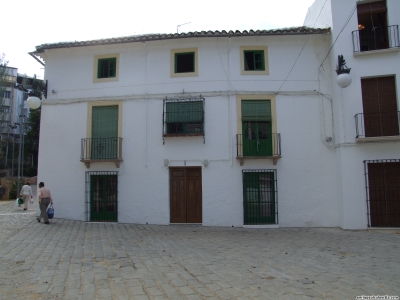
219,128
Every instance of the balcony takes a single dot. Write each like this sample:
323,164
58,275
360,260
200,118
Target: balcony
258,148
378,38
101,150
373,127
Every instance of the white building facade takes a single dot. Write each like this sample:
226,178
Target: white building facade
367,112
216,128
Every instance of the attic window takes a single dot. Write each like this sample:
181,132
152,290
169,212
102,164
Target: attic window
107,68
184,62
254,60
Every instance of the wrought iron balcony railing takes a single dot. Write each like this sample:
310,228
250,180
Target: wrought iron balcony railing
101,149
377,39
259,147
377,124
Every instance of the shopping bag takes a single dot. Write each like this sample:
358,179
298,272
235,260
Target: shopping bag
50,211
20,200
17,203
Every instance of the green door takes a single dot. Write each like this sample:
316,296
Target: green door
104,132
257,139
103,198
256,128
259,198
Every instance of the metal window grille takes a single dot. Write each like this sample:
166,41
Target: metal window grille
101,196
183,116
260,197
382,186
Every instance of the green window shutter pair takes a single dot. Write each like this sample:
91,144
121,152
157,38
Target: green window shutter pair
107,68
256,110
254,60
184,112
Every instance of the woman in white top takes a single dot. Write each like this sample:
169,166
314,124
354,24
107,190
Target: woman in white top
25,192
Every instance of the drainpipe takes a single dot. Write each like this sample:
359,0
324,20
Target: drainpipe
229,102
146,90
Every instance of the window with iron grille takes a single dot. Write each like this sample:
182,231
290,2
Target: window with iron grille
260,197
7,94
101,204
382,183
183,116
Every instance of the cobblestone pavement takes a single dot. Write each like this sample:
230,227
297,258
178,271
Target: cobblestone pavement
76,260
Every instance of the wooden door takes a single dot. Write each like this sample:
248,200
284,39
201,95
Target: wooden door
384,194
185,195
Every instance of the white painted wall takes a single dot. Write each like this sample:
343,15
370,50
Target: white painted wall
306,173
347,103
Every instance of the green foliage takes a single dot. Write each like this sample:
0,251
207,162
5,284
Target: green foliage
13,190
30,172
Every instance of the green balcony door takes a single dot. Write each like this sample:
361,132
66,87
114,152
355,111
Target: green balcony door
104,132
259,198
257,139
103,198
256,128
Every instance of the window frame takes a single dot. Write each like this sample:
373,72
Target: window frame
96,62
103,103
271,98
173,63
264,50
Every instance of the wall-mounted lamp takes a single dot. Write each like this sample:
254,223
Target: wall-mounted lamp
344,79
34,102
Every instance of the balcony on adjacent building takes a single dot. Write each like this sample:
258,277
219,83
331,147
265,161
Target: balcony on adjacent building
258,147
380,126
101,150
377,38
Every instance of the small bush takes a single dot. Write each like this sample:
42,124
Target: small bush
13,190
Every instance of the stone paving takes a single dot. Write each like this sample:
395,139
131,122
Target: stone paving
77,260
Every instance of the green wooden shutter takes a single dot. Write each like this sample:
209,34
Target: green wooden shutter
256,110
184,112
105,121
104,132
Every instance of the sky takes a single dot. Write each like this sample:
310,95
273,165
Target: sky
27,24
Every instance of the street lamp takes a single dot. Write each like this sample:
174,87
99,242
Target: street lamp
343,79
34,102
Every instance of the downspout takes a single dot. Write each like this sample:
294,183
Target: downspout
146,91
229,103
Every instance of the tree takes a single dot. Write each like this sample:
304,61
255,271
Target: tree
4,74
33,123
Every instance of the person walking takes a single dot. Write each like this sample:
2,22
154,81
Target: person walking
44,197
26,193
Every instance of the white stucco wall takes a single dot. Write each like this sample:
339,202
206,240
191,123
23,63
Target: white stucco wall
348,102
307,179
